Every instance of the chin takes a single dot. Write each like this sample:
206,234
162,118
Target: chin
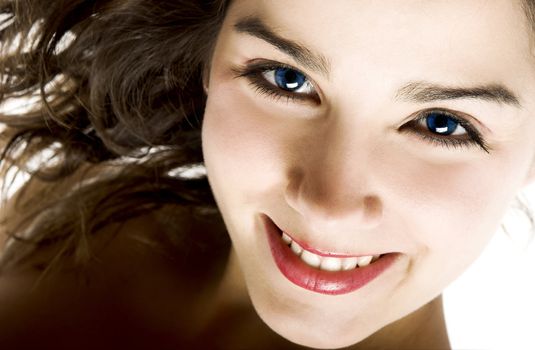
326,343
319,338
317,334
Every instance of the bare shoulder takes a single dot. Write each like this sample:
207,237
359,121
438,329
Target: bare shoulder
146,279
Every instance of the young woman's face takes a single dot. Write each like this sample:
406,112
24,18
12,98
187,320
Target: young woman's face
394,128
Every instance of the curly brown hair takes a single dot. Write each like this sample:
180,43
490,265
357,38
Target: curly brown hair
118,101
114,82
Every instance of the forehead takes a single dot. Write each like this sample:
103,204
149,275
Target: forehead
450,41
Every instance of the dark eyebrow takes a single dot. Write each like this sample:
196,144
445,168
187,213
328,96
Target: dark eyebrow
255,27
419,91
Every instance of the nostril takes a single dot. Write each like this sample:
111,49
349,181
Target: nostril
328,207
291,192
373,208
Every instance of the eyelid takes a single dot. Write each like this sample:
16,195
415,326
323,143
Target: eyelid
474,135
462,118
253,70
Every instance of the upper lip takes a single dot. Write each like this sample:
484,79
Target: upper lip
342,253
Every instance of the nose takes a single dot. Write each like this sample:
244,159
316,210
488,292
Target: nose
329,185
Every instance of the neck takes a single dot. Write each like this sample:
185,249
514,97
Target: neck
424,328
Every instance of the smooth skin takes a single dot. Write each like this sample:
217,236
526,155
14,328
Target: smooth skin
344,175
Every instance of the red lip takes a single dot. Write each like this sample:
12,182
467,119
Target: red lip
316,280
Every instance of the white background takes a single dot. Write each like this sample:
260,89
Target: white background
492,305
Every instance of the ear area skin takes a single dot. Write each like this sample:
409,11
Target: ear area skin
206,79
530,177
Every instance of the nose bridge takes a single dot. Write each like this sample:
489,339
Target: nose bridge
330,183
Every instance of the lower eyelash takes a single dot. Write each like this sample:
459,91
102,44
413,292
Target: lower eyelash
264,89
450,142
254,74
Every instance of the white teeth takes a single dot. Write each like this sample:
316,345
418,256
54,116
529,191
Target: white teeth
331,264
296,248
286,239
310,258
327,263
364,260
349,263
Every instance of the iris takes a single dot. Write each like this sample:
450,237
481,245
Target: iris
441,123
289,79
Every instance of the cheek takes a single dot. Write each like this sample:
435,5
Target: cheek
242,148
456,194
452,210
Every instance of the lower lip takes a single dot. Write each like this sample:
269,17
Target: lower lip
320,281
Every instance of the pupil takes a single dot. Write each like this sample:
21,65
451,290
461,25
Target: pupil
289,79
441,124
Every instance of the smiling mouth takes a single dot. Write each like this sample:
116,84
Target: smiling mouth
319,272
327,262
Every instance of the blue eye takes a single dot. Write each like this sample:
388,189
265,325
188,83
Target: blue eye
446,129
443,124
289,79
278,80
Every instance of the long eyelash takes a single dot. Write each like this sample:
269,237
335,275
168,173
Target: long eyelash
264,88
253,73
476,139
